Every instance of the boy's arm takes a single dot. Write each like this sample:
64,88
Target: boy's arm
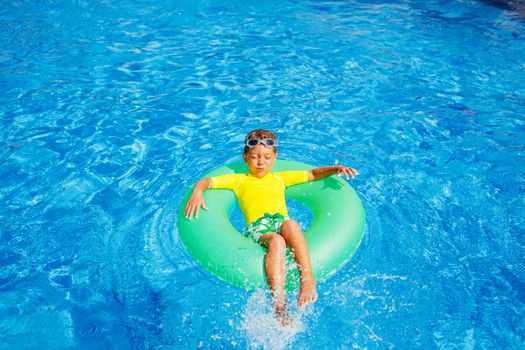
323,172
197,199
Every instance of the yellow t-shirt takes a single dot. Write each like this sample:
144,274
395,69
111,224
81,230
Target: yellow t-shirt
258,196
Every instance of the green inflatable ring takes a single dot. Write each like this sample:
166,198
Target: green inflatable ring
336,231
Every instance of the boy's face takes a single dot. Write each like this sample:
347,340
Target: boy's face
260,160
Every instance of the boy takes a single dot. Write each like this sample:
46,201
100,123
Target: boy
261,197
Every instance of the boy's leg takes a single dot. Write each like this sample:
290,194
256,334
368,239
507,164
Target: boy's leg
275,268
292,233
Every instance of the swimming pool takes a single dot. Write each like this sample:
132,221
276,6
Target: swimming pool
110,110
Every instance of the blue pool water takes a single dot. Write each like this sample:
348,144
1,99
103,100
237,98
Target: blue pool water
110,110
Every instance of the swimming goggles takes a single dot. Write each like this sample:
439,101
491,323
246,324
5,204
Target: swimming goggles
254,142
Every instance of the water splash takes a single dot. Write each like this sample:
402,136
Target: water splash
262,329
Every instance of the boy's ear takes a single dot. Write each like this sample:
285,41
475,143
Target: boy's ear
244,156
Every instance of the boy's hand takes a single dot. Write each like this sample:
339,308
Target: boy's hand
346,172
197,199
340,170
194,205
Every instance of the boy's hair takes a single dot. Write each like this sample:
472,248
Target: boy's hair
259,134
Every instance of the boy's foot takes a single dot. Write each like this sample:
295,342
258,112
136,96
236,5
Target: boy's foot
281,313
307,293
283,317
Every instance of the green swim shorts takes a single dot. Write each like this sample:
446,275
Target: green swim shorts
265,224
